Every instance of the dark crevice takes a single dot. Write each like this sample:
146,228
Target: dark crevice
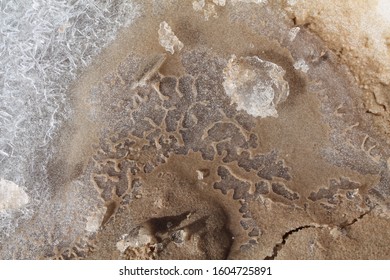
164,224
347,224
294,20
285,236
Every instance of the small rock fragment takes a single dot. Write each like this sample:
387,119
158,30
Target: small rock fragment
202,173
138,237
178,236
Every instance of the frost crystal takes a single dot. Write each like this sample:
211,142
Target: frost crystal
167,38
198,5
11,195
255,85
250,1
43,45
292,2
209,9
293,33
219,2
301,65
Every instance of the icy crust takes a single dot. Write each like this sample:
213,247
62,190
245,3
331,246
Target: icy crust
255,85
43,45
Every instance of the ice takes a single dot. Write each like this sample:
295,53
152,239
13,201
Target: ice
168,39
293,33
255,85
11,195
43,46
301,65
